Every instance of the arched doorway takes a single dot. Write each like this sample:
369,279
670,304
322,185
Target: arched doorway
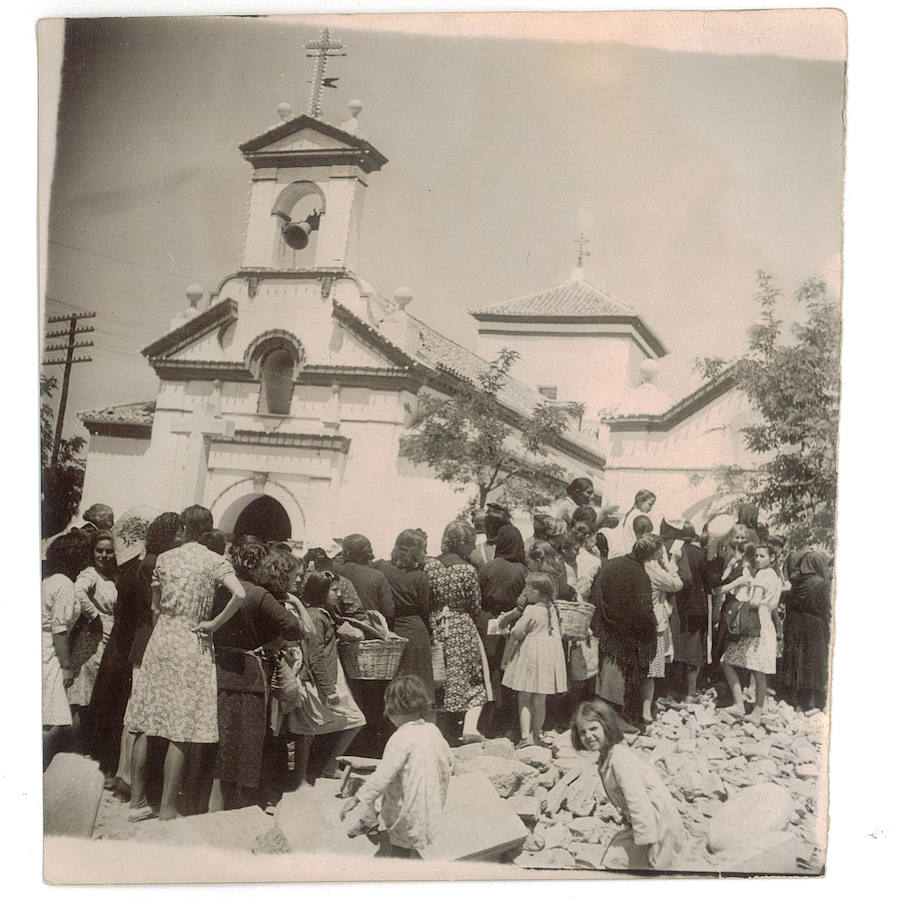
264,517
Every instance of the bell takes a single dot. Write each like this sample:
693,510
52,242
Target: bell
296,234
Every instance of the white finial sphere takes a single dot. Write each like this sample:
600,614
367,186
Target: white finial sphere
285,111
194,294
355,107
649,371
403,297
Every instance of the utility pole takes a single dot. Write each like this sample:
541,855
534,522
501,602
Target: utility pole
69,346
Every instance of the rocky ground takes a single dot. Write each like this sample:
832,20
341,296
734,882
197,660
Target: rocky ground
704,757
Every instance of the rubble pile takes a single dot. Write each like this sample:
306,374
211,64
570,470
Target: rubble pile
708,761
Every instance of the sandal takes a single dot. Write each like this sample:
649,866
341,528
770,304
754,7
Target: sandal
470,738
136,815
524,743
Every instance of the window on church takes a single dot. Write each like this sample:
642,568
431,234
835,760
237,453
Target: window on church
547,392
276,383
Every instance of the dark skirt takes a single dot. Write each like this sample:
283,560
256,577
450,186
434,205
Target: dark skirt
804,664
110,695
689,645
242,733
622,655
416,657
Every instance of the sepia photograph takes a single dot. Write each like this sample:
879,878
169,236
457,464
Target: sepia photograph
438,444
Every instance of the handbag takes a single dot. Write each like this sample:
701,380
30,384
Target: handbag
741,619
584,658
84,639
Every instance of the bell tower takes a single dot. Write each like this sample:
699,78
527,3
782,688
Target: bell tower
308,183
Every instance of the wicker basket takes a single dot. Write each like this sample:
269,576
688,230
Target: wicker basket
575,619
372,659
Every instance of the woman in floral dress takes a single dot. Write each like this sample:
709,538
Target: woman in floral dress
456,604
175,696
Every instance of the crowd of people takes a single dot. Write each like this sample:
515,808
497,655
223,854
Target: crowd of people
203,675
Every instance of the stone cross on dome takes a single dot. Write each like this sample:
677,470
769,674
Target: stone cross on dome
321,50
581,242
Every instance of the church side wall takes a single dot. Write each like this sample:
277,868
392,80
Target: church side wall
678,465
117,474
593,370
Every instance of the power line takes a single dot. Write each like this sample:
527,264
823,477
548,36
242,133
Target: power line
120,260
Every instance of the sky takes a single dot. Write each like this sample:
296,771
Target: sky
686,170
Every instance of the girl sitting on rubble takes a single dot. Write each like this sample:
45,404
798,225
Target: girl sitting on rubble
411,778
535,661
656,834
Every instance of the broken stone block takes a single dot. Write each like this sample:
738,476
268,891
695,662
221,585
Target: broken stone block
670,718
535,756
774,853
686,746
527,808
581,795
467,752
704,716
534,842
272,841
499,748
588,857
557,795
552,859
548,778
73,787
804,753
236,830
506,775
554,836
808,771
586,829
579,762
758,809
475,825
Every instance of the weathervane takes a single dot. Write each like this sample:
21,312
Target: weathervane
321,50
581,242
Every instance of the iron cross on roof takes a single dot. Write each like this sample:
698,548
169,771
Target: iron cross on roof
581,242
321,50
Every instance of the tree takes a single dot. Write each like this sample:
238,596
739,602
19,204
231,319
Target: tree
60,485
466,440
795,388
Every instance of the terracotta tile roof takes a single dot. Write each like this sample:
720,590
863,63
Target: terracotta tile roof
135,414
575,298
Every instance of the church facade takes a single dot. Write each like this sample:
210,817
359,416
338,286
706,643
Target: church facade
282,405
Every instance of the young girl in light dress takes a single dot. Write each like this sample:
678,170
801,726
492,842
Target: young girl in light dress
656,834
754,653
412,777
535,660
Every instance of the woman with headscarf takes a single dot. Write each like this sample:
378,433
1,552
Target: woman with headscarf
243,672
411,592
807,631
690,615
109,742
371,585
456,605
626,629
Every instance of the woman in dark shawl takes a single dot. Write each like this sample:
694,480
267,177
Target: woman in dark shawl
626,629
807,631
501,581
411,592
